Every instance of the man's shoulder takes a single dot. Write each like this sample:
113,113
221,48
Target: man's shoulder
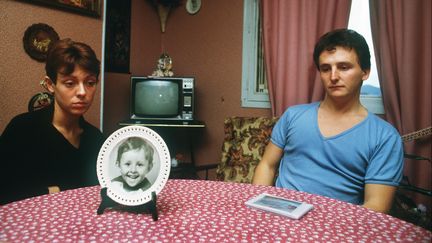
380,123
380,129
299,109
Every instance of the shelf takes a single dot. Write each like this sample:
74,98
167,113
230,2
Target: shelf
163,123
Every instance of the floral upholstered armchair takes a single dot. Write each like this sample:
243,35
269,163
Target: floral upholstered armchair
244,144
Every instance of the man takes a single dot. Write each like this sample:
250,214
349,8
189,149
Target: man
335,147
54,148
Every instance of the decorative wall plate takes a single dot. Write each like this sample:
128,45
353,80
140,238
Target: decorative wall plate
109,172
40,100
37,40
193,6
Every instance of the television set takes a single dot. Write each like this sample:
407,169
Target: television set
162,98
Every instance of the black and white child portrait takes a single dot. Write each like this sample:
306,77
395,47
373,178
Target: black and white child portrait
135,159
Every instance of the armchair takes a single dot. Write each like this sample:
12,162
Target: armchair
244,144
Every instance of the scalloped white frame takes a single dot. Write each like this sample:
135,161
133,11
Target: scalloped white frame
106,159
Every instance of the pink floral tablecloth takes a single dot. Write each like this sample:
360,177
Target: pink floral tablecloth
198,211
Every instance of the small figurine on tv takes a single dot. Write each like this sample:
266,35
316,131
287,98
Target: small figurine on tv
164,66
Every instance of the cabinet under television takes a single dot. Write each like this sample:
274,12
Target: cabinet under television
175,133
164,123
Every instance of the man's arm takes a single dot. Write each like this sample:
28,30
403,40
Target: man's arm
267,167
379,197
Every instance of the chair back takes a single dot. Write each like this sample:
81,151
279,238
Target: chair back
244,144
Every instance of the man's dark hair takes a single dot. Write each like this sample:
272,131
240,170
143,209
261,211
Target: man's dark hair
65,54
344,38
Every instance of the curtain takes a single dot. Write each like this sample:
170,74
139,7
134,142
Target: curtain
401,32
290,31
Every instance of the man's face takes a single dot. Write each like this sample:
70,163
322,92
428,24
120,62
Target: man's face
73,93
133,166
341,73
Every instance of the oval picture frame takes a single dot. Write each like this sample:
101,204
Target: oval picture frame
108,169
37,40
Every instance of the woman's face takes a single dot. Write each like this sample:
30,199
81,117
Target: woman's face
134,166
73,93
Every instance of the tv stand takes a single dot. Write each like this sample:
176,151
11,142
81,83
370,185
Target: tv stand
164,123
171,129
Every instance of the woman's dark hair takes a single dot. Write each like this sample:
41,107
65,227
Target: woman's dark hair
344,38
65,54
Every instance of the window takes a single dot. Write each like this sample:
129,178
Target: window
254,85
370,94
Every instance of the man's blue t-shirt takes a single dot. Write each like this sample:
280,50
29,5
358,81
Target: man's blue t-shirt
371,152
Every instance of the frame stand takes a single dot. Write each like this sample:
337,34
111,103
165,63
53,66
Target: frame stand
149,207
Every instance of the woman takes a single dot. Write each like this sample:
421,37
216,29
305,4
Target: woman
55,148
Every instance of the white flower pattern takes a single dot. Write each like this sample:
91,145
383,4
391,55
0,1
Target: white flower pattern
198,211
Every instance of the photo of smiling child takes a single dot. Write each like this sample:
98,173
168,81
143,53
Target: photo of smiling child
135,160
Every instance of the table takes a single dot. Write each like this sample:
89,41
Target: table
198,211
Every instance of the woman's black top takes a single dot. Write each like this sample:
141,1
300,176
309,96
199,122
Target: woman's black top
35,155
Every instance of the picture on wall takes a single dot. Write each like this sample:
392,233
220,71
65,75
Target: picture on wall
117,36
85,7
37,40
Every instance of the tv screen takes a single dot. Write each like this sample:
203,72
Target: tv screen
156,98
